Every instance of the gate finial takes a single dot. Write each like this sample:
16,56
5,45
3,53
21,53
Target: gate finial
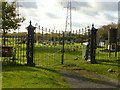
92,25
30,22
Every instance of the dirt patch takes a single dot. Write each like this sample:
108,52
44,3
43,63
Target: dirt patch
84,79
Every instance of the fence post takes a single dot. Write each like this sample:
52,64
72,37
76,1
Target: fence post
93,45
63,48
112,39
30,45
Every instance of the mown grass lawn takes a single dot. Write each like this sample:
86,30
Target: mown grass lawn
31,77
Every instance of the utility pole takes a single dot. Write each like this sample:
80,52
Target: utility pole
68,25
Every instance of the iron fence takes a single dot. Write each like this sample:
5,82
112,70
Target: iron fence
14,50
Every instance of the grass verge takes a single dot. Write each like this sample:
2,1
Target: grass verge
31,77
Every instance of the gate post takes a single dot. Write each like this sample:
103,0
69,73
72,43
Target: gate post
112,40
30,45
93,45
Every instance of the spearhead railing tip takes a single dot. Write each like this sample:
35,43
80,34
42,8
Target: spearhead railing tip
93,25
30,22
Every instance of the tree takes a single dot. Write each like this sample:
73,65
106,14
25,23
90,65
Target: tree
102,32
10,20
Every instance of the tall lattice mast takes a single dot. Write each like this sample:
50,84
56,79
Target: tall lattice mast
68,25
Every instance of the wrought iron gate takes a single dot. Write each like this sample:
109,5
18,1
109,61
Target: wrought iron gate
55,47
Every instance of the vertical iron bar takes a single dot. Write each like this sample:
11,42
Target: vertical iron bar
116,49
62,50
42,34
79,35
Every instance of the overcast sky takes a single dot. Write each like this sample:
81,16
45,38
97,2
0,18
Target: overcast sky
52,13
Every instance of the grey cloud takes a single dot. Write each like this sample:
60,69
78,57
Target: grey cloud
76,24
27,4
51,15
90,12
103,7
75,4
107,6
110,17
79,25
